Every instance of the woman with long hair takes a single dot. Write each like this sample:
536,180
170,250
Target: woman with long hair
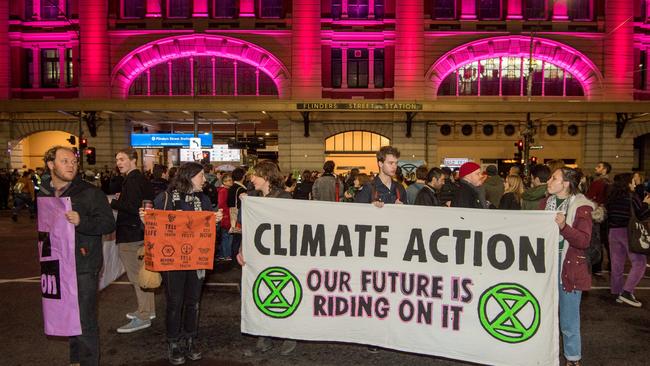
268,180
575,223
621,200
513,189
183,288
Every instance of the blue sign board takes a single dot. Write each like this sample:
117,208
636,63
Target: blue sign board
154,140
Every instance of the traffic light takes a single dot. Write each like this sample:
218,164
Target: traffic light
72,140
90,155
520,148
83,143
533,160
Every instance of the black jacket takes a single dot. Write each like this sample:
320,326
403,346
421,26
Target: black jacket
427,197
134,189
509,202
466,196
96,219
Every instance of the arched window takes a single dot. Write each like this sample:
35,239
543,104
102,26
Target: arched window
355,141
203,75
502,76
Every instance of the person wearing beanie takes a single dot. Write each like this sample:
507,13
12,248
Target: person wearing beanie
470,179
493,186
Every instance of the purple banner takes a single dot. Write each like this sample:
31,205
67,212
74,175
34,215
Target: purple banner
56,250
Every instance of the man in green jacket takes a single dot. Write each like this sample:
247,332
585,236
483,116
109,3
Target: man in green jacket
533,195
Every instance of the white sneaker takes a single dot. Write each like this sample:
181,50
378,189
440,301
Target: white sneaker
134,316
134,325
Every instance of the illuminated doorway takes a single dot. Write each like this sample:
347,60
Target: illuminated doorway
29,151
354,149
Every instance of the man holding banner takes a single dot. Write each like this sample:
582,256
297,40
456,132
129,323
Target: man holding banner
92,217
383,189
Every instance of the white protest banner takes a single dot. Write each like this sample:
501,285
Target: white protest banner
473,285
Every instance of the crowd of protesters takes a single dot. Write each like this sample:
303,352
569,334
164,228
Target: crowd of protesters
587,235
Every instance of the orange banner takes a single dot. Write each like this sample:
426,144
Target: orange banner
179,240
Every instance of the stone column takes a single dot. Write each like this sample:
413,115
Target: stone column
409,47
153,9
94,78
306,50
5,61
619,50
62,68
514,9
344,67
560,10
468,10
371,67
36,59
246,8
200,9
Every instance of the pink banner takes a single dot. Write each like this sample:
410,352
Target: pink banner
56,250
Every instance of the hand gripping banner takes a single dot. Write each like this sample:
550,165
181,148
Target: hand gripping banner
473,285
179,240
56,250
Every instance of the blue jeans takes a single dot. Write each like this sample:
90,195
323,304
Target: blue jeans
569,303
225,249
23,200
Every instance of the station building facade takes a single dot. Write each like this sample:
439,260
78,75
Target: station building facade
442,80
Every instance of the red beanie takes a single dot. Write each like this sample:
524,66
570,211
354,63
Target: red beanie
468,168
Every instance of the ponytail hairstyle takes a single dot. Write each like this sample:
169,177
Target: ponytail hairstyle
572,176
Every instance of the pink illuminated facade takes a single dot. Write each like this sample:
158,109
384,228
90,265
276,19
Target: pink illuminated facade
318,49
284,52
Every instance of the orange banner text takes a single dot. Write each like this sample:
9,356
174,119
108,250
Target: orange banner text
179,240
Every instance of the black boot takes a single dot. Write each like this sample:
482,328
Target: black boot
176,356
192,352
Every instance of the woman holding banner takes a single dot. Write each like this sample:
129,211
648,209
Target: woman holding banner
575,223
268,180
183,288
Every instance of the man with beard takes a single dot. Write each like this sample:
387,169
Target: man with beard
470,179
428,195
129,235
92,218
383,189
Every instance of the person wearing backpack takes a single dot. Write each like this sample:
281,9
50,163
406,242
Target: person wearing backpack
382,188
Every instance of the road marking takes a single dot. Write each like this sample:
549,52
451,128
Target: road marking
38,280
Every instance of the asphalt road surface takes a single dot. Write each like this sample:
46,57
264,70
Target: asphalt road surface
612,334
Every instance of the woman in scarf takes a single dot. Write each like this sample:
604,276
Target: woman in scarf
183,288
574,222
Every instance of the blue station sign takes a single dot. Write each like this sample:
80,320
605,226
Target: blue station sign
154,140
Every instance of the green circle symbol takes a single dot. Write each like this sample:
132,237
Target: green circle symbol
517,314
277,292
